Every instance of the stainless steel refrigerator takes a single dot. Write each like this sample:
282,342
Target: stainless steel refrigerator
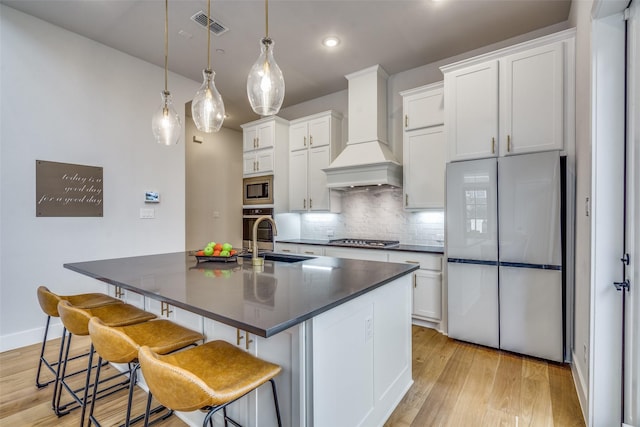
504,253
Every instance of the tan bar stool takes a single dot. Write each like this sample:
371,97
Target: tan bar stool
208,377
76,322
121,344
49,304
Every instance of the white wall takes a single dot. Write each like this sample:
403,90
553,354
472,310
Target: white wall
580,17
213,187
68,99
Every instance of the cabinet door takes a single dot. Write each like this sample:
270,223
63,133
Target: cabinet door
298,180
532,100
282,349
286,247
320,132
319,159
264,160
214,330
427,294
424,168
311,250
249,138
249,166
424,109
471,96
354,253
266,135
298,136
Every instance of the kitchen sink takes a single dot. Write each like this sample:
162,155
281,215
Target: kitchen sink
270,256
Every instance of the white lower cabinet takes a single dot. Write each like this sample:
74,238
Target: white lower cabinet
361,360
427,284
355,253
427,295
292,248
257,408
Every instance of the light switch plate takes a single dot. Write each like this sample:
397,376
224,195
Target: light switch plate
147,213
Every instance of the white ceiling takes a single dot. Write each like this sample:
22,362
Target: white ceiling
398,34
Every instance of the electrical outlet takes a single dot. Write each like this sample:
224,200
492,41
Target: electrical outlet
368,326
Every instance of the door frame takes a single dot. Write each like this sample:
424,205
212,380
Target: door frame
607,195
608,158
632,368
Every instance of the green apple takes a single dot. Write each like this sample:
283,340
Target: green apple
224,253
208,251
212,244
227,247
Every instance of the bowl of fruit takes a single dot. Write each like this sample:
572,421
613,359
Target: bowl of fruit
218,252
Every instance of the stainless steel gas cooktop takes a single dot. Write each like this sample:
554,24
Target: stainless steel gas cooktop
365,243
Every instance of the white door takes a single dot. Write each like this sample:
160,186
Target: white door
632,339
424,163
607,227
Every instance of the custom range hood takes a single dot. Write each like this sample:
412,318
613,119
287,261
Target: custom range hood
366,159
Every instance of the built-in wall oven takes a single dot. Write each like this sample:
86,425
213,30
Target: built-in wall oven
265,231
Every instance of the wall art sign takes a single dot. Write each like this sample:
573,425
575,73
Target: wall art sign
65,189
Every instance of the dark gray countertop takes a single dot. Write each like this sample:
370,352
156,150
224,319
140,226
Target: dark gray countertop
263,303
407,248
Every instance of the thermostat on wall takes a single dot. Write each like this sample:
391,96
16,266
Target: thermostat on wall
151,197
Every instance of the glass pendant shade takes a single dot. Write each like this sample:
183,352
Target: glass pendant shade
166,123
207,107
265,84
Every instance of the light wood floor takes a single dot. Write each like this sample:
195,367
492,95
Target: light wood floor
455,384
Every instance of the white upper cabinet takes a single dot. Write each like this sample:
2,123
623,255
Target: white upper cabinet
471,96
423,107
512,101
266,152
314,142
425,158
532,97
424,147
260,135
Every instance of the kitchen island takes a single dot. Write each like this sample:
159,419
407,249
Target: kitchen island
340,328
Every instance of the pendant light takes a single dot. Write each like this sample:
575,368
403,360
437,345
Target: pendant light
265,84
166,123
207,108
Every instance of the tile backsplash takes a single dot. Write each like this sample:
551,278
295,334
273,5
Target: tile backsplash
376,213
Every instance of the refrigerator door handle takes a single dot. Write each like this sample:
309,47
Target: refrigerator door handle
620,286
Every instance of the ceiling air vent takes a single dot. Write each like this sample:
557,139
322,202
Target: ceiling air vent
216,27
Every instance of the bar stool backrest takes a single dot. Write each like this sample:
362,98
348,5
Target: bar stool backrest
75,319
172,386
111,343
48,301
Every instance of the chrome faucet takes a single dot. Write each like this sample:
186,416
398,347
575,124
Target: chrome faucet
255,259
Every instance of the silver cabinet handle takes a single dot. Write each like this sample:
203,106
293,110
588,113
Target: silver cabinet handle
305,141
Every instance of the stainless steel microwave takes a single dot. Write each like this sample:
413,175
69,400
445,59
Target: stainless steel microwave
257,190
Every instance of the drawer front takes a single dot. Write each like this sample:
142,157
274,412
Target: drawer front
426,261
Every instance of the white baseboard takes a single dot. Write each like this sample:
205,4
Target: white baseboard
581,387
29,337
426,324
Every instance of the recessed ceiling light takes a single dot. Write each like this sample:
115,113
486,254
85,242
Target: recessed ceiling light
331,41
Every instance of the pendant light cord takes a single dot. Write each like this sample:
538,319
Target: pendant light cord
266,18
209,35
166,44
